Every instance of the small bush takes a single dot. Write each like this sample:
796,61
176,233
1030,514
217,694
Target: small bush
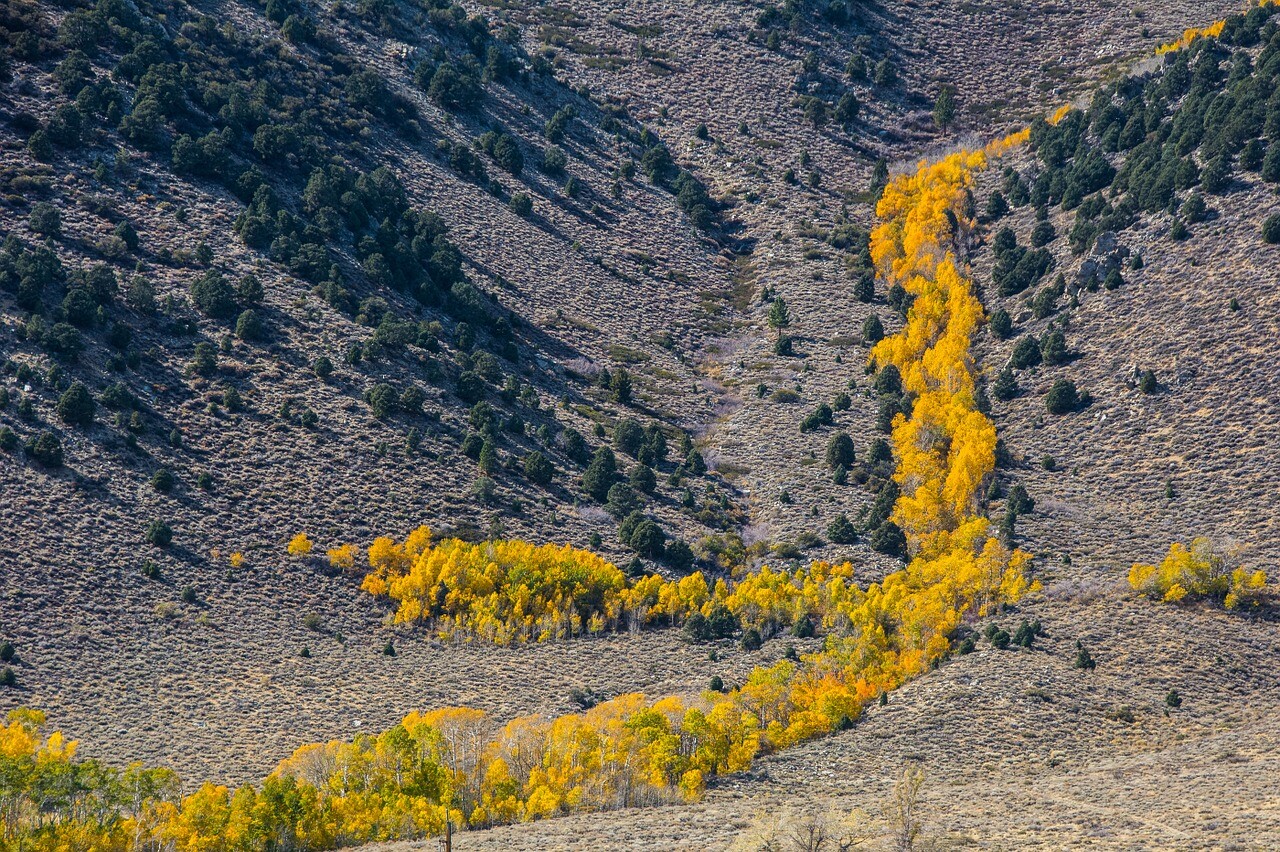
889,381
1194,208
213,296
1006,385
118,397
189,594
841,530
628,435
45,219
1271,229
554,160
1042,234
1216,176
1053,348
411,400
648,540
879,452
620,387
679,556
872,330
1019,501
46,449
695,628
784,395
864,290
1062,397
997,206
537,469
1001,324
1026,353
1083,659
585,699
159,534
1026,633
521,204
249,326
76,406
484,490
751,640
819,417
643,479
204,362
162,481
889,539
383,400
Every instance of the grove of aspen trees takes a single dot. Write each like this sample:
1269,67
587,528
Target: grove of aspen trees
459,765
299,132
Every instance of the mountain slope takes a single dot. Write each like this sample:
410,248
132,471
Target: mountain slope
615,272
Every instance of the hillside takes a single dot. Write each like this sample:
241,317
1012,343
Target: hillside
448,232
259,446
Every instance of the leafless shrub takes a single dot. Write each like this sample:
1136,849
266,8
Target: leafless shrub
594,515
1085,590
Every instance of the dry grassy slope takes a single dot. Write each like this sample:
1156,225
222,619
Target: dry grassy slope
220,692
1027,58
1022,751
1210,431
102,671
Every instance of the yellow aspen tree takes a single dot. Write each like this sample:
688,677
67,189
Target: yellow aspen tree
299,545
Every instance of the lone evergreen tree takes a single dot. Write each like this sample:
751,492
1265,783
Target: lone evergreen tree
779,316
944,108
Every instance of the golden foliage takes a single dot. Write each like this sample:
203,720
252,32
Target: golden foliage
946,449
342,557
1196,572
501,591
1191,34
299,545
456,764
